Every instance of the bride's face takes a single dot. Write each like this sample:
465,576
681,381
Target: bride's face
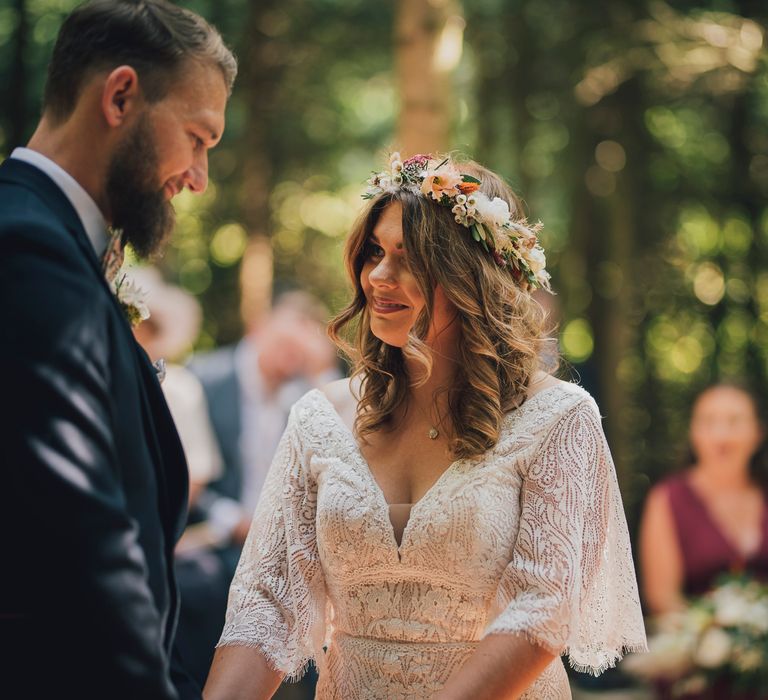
394,298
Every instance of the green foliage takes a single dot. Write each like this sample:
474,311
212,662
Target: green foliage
637,131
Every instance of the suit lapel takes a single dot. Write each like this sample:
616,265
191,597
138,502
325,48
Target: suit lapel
165,445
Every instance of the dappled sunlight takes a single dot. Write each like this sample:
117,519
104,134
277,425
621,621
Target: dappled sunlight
681,49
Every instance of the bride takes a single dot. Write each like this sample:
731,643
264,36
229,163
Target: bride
447,523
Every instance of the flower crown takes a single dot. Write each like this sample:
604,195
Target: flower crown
512,242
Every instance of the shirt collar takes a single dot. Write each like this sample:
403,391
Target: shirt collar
90,215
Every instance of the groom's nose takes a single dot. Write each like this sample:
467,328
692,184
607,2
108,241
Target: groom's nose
196,177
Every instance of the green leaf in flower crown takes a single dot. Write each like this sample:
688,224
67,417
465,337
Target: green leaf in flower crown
481,231
475,233
469,178
485,245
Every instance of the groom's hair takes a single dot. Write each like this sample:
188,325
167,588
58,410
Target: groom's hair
155,37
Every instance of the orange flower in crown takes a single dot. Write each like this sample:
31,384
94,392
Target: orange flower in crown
439,182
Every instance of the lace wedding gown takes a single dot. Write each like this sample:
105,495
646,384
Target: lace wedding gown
530,539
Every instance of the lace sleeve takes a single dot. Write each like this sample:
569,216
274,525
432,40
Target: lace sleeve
570,586
277,597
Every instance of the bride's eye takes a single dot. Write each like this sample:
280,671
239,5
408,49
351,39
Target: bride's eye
373,250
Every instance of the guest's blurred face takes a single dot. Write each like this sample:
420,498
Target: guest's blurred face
282,352
725,427
390,287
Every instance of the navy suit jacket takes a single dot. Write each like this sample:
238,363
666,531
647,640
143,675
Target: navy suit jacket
94,482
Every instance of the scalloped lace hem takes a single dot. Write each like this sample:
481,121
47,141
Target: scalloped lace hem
609,658
292,672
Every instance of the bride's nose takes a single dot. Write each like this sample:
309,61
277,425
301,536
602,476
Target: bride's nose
383,274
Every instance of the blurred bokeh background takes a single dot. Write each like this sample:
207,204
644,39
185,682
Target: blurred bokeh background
636,130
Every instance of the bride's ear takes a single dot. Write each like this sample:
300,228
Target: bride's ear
120,95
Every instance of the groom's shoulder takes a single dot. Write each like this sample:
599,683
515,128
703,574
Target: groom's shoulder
28,224
46,289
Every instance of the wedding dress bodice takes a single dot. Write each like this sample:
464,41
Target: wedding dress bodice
530,539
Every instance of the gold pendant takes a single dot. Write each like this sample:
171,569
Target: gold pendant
433,433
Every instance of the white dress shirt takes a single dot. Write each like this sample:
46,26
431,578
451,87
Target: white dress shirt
90,215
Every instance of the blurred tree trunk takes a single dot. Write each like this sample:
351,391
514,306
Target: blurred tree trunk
607,237
428,46
262,62
17,87
503,89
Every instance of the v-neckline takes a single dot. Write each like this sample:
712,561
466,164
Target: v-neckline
722,534
383,503
379,493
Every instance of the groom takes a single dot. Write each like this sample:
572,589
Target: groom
93,479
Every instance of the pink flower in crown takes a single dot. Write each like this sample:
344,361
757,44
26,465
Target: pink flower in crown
420,160
414,167
442,181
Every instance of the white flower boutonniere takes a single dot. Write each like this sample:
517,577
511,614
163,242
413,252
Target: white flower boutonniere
131,298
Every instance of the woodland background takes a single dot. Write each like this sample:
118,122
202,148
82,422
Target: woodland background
636,130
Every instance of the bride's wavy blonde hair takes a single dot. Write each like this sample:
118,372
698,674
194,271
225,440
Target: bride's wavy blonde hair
502,326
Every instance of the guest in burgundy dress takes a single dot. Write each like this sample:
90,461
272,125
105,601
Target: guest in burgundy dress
711,518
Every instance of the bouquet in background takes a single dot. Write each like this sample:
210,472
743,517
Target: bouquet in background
719,641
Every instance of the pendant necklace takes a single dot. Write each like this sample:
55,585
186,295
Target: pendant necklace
433,433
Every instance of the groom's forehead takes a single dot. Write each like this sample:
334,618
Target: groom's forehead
200,92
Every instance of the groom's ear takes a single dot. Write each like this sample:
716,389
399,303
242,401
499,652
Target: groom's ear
120,95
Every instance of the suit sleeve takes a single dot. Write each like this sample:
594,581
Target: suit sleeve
83,576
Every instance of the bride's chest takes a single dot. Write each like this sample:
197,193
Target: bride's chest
466,522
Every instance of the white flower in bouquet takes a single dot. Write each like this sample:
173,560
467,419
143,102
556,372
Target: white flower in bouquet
696,620
748,659
732,609
720,637
670,654
757,617
714,648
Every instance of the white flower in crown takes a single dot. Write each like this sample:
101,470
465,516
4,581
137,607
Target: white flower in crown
492,212
536,259
132,299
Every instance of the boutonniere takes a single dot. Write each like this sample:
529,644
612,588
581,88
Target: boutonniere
132,299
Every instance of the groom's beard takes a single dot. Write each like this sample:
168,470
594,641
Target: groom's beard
136,200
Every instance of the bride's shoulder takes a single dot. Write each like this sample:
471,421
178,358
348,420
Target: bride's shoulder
543,383
343,396
551,398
